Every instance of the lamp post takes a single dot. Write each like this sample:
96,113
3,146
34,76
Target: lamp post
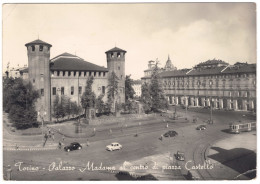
41,114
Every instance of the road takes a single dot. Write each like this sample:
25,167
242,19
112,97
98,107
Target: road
136,150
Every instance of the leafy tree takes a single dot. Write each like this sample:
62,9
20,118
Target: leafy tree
75,109
19,101
112,91
146,98
100,105
129,90
59,107
88,98
156,90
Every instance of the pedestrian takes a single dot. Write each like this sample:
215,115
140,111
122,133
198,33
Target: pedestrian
167,125
59,145
161,137
16,147
94,131
53,136
87,142
110,130
63,137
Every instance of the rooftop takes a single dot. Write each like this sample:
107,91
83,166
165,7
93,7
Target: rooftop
115,49
70,62
37,42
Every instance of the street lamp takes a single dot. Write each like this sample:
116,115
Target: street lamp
41,115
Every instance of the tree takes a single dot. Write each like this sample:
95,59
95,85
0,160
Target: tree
129,90
100,105
75,109
112,91
156,90
59,107
88,98
146,98
19,100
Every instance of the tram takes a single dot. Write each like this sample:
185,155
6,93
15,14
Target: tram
242,127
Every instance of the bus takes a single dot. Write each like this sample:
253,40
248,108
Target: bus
242,127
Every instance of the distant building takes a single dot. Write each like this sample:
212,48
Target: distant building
137,85
18,72
213,82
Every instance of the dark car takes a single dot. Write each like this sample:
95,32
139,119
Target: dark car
170,133
73,146
201,127
180,156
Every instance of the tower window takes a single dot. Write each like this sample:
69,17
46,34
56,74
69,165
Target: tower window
112,55
69,73
118,55
42,92
41,48
80,89
94,74
72,90
54,91
62,90
103,89
33,48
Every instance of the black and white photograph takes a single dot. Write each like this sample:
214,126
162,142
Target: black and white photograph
162,91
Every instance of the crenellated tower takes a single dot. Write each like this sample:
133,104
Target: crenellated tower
116,63
39,75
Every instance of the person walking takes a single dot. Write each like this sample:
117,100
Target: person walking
53,136
59,145
167,125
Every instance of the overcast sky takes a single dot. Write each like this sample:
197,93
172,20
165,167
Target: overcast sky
189,32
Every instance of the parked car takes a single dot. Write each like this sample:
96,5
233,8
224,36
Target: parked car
170,133
114,146
180,156
201,127
73,146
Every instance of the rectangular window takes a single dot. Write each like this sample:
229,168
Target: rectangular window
62,90
80,89
42,92
41,48
54,91
103,89
72,90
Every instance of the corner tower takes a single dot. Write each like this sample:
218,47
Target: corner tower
39,75
116,63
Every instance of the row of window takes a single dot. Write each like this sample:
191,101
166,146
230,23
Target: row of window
244,75
40,48
203,84
72,91
73,73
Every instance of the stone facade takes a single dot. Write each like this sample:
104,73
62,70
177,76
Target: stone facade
231,87
67,74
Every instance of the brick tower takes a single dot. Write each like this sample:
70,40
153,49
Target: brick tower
39,75
116,63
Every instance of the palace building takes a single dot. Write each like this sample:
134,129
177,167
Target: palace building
67,74
214,82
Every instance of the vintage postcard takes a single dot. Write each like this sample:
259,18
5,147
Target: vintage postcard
129,91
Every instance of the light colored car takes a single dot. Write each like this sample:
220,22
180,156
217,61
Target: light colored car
114,146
